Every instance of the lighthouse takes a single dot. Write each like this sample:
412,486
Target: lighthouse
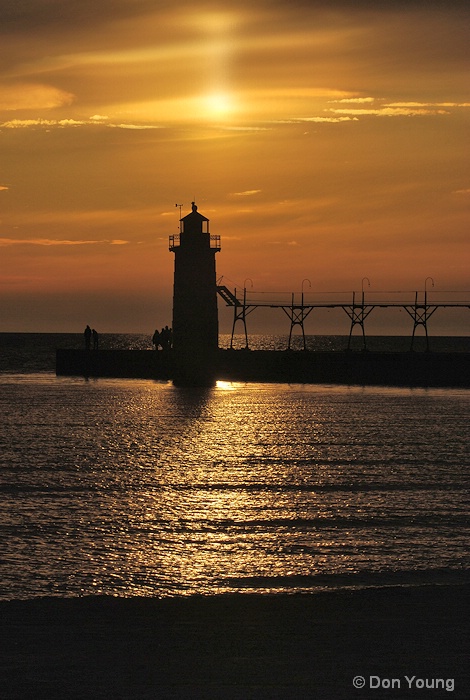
195,320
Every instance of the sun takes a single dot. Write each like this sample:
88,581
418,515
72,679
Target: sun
219,104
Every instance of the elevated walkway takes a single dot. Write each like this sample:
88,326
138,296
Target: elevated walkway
420,306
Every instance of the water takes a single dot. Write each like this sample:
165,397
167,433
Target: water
135,487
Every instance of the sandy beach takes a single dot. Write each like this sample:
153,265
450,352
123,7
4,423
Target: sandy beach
239,646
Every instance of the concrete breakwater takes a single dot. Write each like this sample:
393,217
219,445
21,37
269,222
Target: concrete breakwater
342,367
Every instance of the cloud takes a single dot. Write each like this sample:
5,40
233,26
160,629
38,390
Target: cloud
32,96
63,123
390,112
332,120
283,243
137,127
3,187
26,123
355,100
234,127
316,120
428,104
4,242
393,109
246,193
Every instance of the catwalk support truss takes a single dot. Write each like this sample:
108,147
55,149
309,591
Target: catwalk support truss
357,306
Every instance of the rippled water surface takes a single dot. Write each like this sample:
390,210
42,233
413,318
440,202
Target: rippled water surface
134,487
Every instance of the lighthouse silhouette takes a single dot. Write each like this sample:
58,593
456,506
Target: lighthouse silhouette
195,319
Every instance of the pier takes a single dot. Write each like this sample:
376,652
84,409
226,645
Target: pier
426,369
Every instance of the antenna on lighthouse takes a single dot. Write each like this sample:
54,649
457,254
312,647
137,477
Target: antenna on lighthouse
180,207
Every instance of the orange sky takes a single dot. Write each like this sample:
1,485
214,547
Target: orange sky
324,141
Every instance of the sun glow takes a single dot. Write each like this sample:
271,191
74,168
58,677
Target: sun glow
219,104
196,107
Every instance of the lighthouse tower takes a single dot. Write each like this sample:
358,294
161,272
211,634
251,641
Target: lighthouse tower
195,320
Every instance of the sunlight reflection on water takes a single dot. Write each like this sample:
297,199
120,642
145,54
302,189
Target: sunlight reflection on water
138,487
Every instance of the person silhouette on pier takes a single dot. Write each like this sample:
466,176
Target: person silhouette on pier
87,334
166,338
95,339
156,339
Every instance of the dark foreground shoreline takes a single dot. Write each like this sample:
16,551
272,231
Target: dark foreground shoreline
239,646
